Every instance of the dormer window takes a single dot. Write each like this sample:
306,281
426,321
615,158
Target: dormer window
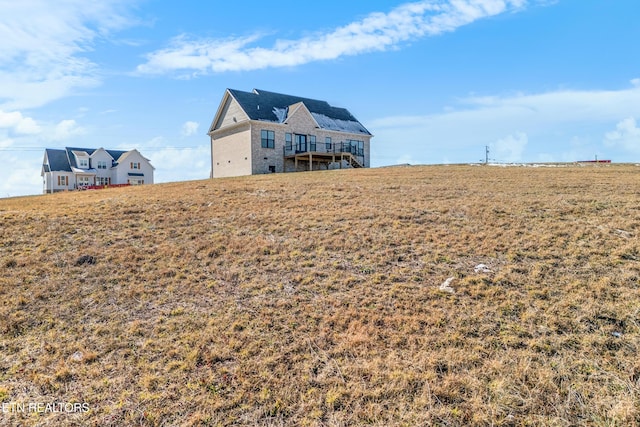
83,163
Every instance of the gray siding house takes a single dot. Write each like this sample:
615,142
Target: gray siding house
266,132
77,168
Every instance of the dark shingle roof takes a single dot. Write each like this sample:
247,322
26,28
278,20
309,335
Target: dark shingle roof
64,160
72,159
262,105
116,154
58,160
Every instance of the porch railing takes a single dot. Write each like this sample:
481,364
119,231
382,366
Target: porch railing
324,148
100,187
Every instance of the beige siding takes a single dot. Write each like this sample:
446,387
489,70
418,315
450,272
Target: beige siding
231,152
301,120
230,114
367,151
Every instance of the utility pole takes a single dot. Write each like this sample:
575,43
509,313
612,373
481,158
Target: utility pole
486,154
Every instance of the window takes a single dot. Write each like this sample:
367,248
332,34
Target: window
135,181
288,140
301,143
355,147
312,143
268,138
83,181
63,180
272,169
135,165
103,181
327,143
102,164
83,163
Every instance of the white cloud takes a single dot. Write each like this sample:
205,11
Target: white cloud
15,122
549,121
178,164
21,147
24,175
405,159
16,129
190,128
376,32
155,142
66,130
6,142
42,54
527,110
626,135
510,149
635,82
174,163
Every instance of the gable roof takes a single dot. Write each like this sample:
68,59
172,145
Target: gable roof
126,154
273,107
58,160
115,154
63,160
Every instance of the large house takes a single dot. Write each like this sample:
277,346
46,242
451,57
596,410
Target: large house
77,168
265,132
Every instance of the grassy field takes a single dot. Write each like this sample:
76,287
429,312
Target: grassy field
316,299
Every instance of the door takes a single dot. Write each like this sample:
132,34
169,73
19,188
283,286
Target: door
301,143
83,181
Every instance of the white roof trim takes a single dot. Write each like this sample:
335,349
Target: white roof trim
83,171
101,150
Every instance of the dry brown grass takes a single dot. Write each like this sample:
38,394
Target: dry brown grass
313,299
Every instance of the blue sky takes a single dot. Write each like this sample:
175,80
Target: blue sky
435,81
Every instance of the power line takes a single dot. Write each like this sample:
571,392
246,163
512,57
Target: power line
170,148
138,148
21,148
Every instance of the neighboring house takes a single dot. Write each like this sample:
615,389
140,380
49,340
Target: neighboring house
264,132
77,168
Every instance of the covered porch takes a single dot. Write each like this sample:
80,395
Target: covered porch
84,177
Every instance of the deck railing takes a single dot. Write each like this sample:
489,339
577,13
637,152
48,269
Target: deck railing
324,148
101,187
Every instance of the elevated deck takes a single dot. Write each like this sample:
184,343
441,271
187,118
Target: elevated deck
324,158
343,153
